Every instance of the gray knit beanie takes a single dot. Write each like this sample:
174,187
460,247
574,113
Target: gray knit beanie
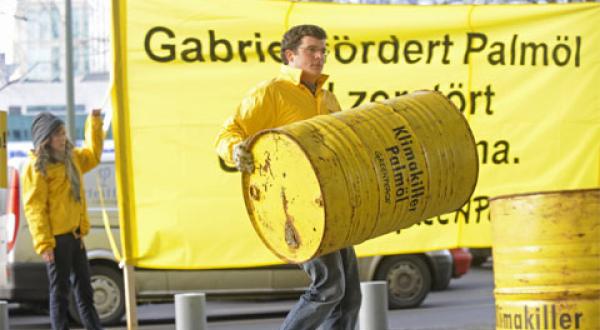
42,127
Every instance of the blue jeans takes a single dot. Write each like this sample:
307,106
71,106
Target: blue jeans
333,298
71,266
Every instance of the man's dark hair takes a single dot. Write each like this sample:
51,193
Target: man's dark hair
293,37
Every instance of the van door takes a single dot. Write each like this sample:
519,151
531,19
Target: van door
289,276
101,181
221,281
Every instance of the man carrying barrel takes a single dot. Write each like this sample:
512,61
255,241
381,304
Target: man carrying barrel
333,298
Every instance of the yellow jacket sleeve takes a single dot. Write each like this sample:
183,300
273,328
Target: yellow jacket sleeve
256,112
35,203
91,152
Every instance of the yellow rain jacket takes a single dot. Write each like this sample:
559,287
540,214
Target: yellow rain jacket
49,207
273,103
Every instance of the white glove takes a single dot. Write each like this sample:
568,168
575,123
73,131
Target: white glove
243,158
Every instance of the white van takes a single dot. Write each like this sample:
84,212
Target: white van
23,278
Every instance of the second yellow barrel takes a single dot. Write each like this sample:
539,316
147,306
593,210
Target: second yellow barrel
546,249
337,180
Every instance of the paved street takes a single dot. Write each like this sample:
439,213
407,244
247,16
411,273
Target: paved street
468,304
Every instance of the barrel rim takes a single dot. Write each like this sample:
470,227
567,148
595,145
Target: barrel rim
246,177
526,295
548,192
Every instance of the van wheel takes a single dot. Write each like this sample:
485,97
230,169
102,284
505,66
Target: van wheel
408,279
109,295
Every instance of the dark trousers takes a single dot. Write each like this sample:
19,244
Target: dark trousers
333,298
71,267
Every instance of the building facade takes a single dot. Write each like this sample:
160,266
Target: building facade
36,79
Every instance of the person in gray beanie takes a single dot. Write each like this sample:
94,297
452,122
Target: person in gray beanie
56,211
42,126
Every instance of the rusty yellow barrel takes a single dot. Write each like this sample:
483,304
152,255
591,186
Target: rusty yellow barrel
337,180
546,251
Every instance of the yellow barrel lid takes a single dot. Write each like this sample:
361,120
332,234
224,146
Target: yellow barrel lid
283,197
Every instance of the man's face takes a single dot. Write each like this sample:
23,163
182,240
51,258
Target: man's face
309,57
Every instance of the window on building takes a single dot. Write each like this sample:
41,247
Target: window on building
55,64
55,23
34,109
55,109
14,110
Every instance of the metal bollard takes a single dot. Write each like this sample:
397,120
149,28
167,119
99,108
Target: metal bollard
373,310
3,315
190,311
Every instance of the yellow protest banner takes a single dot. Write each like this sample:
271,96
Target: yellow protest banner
525,76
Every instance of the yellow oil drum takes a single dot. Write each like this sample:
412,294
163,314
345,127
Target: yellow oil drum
546,254
333,181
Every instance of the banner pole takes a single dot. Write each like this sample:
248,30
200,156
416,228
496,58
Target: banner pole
130,298
124,170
